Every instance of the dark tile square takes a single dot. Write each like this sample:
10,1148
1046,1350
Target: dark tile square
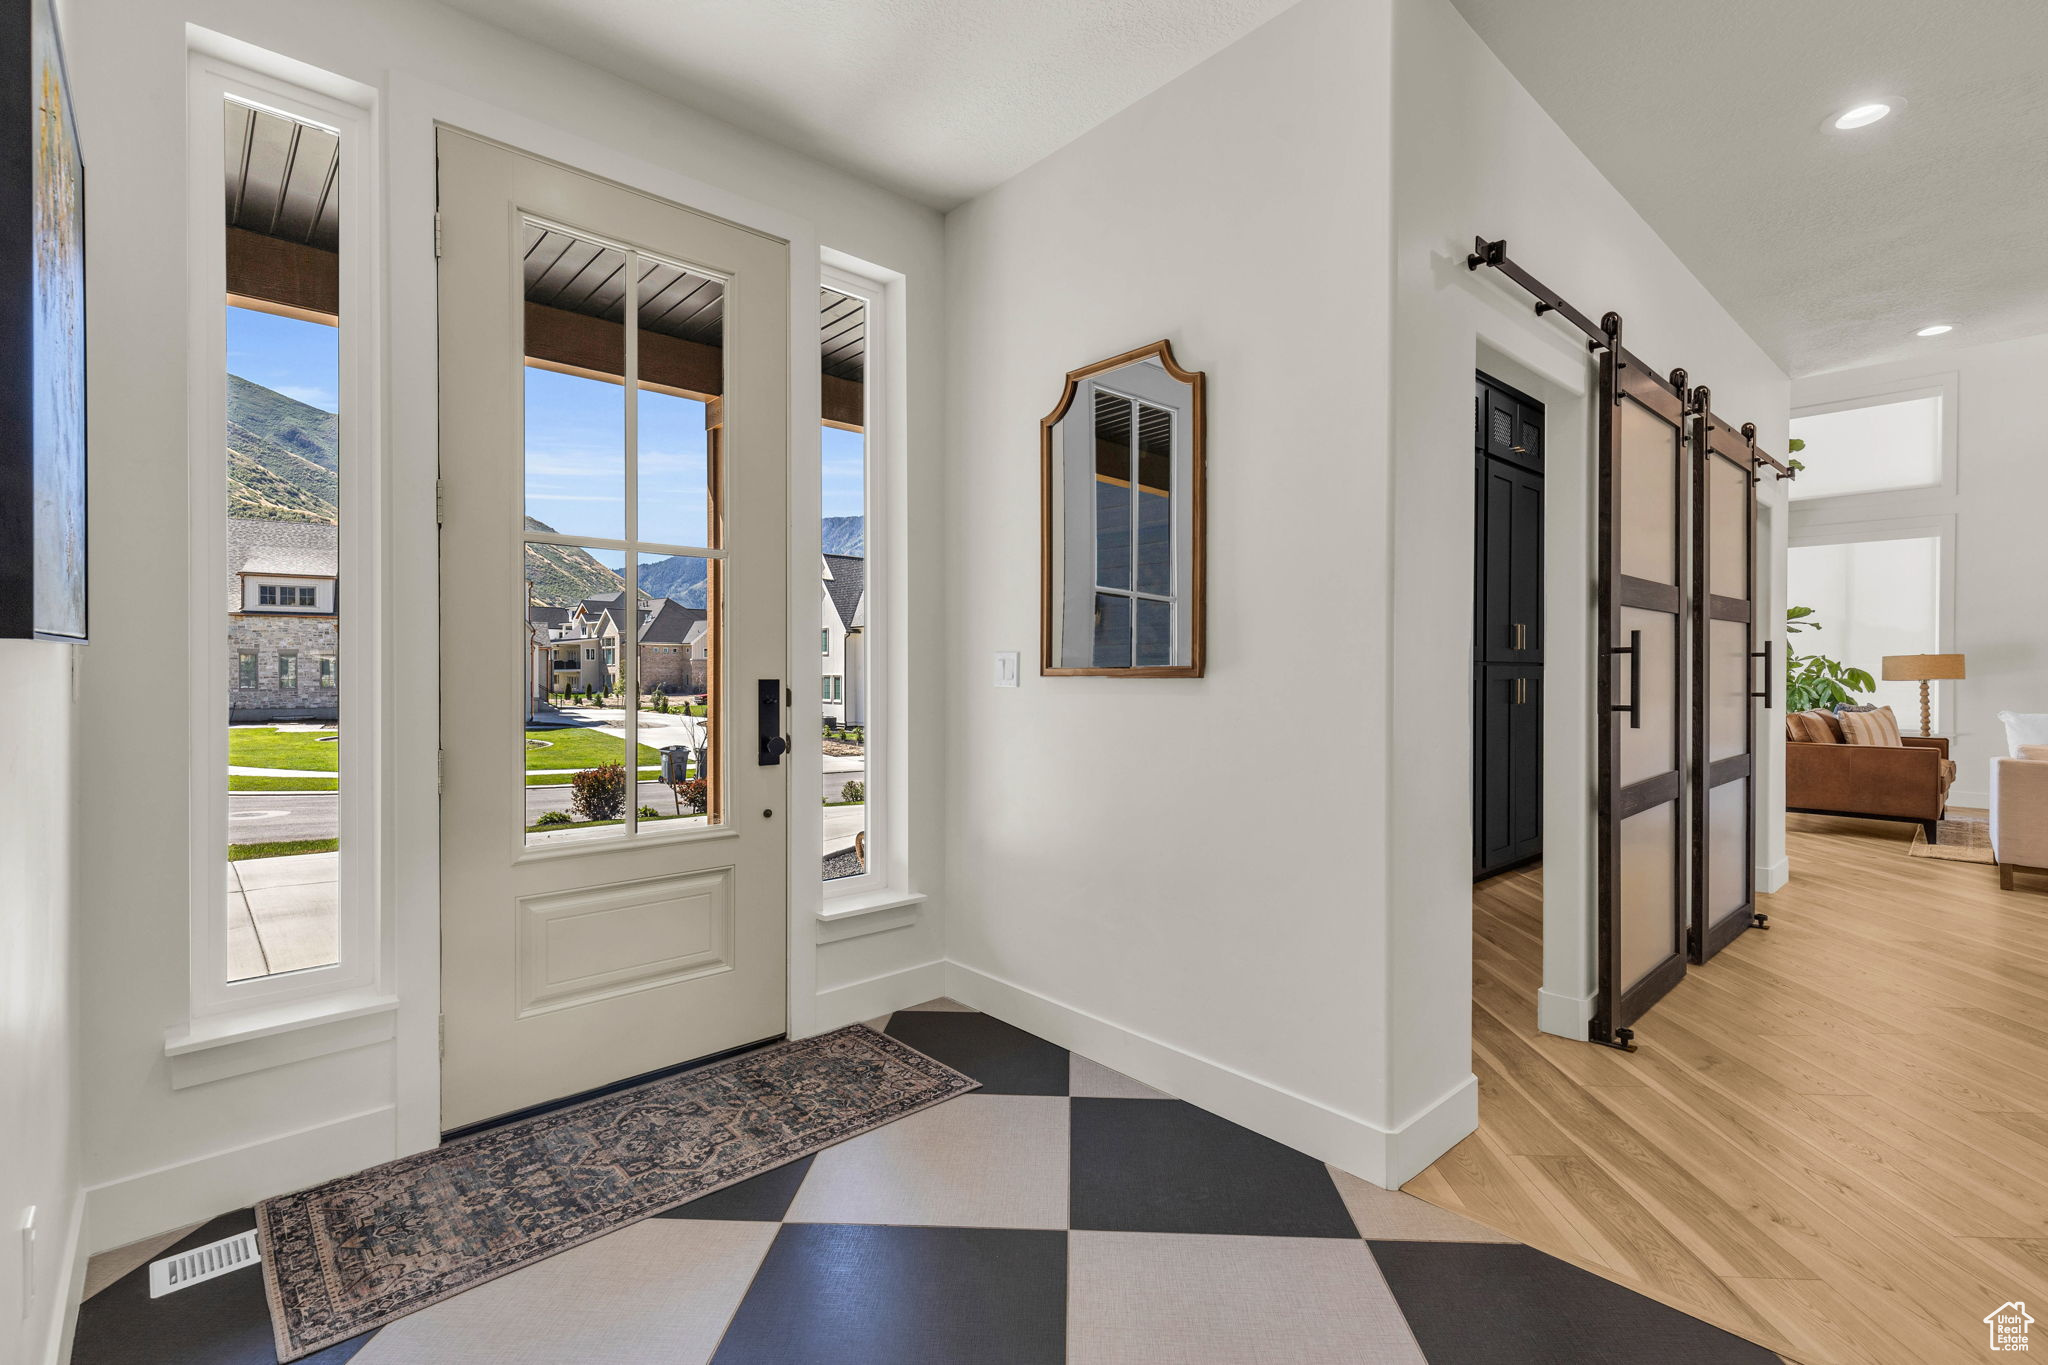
1004,1058
760,1199
1492,1303
223,1321
1166,1166
851,1294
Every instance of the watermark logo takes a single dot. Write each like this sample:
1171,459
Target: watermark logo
2008,1325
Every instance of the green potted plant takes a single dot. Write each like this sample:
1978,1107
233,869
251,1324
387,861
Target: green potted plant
1814,682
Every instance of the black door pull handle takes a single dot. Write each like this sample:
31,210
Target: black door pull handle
773,745
1634,650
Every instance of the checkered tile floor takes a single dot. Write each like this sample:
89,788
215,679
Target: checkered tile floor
1062,1213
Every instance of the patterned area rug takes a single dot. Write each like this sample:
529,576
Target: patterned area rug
1956,841
353,1254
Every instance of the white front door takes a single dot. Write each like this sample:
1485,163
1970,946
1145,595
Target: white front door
614,431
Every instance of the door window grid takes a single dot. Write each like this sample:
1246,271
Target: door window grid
621,671
1134,545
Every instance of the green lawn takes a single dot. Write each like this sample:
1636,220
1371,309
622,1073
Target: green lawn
262,747
574,748
283,784
652,774
238,853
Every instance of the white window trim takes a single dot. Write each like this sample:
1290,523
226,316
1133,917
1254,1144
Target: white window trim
1939,527
1946,386
886,882
312,994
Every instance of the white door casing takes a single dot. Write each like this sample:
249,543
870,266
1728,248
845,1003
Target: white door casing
569,965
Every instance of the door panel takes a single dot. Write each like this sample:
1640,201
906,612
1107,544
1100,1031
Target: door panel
1507,629
614,444
1642,696
1723,760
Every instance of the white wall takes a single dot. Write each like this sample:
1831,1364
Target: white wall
1184,878
1475,154
157,1156
2000,587
39,1163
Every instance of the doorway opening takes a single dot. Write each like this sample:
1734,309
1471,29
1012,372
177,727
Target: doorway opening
1507,629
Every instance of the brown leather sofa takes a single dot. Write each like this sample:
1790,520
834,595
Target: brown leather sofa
1868,781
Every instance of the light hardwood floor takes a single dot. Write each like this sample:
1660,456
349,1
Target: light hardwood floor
1834,1139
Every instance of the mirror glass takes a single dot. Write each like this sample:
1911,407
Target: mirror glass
1123,461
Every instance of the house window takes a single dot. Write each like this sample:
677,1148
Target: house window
281,397
1875,589
1874,445
856,446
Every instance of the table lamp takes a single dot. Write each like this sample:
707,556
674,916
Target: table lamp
1923,669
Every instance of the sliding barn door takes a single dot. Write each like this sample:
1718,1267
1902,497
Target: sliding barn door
1641,690
1724,654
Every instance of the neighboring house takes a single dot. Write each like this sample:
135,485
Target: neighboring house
283,621
576,649
843,639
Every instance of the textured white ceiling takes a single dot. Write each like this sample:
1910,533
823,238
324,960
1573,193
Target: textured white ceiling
1830,248
939,99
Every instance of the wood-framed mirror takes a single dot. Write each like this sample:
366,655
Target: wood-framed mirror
1122,539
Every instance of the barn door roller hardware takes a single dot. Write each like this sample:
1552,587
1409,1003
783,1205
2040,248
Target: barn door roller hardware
1599,337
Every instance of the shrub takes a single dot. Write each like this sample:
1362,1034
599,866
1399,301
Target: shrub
600,792
854,791
649,813
694,794
555,817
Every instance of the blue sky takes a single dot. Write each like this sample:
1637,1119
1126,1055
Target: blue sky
297,359
845,471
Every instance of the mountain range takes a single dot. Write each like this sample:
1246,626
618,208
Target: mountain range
282,467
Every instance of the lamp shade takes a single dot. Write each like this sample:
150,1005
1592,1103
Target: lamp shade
1922,667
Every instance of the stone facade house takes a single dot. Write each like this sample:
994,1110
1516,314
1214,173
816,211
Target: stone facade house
576,649
284,621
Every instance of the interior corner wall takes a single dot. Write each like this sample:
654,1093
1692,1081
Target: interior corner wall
155,1157
39,1165
1183,877
1474,154
2001,559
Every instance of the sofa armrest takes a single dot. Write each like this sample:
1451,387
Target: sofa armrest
1938,743
1865,779
2019,811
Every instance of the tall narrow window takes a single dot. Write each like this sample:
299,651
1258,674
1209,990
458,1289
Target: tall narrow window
282,523
1870,598
845,686
625,544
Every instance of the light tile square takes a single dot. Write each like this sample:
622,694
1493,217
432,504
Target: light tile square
979,1161
1391,1216
1138,1298
658,1292
1096,1081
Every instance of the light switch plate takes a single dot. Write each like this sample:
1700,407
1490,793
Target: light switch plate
1006,668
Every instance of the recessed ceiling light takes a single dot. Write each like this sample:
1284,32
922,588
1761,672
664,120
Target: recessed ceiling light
1936,330
1862,116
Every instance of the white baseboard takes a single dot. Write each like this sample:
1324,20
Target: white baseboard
882,994
1384,1156
1773,876
122,1211
1970,800
64,1321
1564,1015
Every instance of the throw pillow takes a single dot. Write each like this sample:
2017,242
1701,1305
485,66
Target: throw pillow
1878,727
1813,727
2022,728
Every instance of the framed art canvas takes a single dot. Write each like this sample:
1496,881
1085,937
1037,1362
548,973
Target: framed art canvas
42,335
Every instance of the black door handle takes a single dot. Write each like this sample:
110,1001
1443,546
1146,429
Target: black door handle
773,745
1765,655
1634,650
